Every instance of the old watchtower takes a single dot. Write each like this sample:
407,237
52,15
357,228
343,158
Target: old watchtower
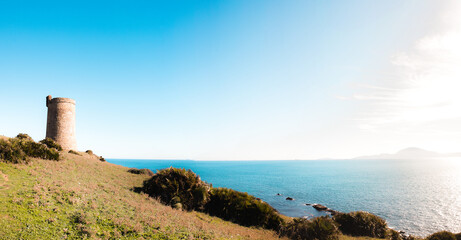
60,124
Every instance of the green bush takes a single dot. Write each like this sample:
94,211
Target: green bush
24,136
243,209
318,228
50,143
35,150
443,235
12,153
179,188
144,171
361,224
21,148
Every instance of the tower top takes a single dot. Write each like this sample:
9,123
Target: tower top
50,100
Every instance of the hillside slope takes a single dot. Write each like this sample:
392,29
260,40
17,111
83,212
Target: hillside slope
82,197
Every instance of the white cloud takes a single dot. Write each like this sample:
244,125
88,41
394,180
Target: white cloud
425,90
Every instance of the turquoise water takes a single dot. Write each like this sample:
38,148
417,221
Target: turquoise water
418,197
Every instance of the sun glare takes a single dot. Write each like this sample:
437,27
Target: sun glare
426,88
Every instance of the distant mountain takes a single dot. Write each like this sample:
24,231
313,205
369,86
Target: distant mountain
410,153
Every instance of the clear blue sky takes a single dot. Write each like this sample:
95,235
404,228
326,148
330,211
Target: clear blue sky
220,79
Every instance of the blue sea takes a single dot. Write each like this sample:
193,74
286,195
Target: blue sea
418,197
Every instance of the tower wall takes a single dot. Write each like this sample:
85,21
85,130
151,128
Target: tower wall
61,122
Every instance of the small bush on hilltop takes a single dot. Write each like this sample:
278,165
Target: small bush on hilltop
318,228
74,152
89,152
243,209
179,188
24,136
21,148
361,224
144,171
443,235
50,143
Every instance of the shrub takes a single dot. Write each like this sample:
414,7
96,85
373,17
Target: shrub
19,149
243,209
12,154
144,171
178,188
50,143
102,159
35,150
361,224
89,152
24,136
318,228
443,235
394,235
74,152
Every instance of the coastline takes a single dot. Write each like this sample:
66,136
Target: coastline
340,188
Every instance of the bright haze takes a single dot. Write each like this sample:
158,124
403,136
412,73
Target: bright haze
237,80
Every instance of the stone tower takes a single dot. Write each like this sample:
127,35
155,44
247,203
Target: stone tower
60,124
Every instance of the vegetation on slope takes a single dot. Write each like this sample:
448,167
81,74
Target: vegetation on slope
318,228
444,235
50,143
183,189
179,188
22,148
144,171
243,208
361,224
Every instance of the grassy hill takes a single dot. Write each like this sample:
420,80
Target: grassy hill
80,196
83,197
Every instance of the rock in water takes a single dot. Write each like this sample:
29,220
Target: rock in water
319,207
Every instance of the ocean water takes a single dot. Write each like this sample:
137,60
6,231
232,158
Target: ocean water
418,197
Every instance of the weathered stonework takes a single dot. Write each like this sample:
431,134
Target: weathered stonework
61,121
